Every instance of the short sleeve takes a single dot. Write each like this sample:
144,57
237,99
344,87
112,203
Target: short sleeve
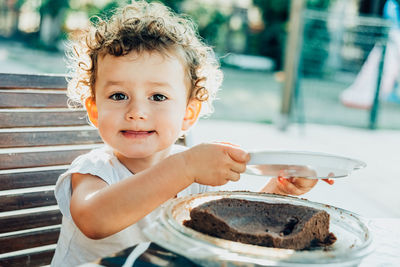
98,162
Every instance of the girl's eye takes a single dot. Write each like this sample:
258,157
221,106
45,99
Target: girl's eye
158,97
118,97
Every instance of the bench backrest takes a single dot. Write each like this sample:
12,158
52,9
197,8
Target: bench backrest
39,137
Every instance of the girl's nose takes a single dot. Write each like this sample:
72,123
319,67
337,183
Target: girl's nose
136,112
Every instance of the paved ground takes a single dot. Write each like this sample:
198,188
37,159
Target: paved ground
371,192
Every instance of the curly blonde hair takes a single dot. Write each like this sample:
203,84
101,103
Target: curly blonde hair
140,27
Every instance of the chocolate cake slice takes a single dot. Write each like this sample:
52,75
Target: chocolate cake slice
260,223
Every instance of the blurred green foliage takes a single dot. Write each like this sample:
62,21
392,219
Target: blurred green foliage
173,4
271,41
106,11
211,23
53,8
319,4
214,21
275,13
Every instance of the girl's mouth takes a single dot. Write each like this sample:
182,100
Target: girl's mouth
137,134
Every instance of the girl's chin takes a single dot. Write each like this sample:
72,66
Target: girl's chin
136,153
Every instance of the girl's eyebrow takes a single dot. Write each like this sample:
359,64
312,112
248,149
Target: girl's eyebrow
160,84
149,83
109,83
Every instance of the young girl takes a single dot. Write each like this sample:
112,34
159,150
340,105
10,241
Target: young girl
144,77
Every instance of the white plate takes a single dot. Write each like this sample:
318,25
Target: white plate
167,230
310,165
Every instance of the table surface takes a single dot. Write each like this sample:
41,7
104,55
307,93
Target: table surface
386,244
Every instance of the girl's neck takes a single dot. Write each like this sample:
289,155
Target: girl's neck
136,165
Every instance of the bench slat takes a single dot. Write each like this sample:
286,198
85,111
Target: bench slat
39,81
29,240
49,138
28,221
42,119
39,159
32,100
27,200
30,259
20,180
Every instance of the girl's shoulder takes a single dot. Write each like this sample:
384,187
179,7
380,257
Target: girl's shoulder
100,162
101,154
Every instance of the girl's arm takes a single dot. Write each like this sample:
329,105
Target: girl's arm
100,210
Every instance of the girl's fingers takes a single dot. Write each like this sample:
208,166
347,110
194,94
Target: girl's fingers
303,183
237,154
227,143
234,176
329,181
238,167
287,187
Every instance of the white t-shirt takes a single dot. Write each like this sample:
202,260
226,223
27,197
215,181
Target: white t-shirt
73,247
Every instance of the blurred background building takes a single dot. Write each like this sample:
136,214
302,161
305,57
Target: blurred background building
336,39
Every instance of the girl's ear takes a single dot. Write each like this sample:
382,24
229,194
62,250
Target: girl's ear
192,114
91,109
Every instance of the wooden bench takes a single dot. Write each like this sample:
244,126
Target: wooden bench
39,137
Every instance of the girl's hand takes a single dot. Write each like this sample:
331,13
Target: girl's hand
292,186
215,164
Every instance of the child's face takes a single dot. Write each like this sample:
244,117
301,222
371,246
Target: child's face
141,102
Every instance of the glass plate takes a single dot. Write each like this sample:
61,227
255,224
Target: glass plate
353,237
310,165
